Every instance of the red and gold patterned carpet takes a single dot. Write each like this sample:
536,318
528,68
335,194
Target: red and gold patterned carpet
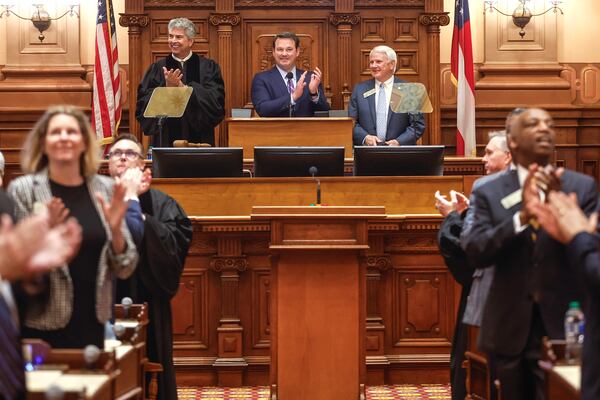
396,392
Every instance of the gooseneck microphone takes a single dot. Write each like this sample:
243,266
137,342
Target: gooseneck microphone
126,303
313,171
289,76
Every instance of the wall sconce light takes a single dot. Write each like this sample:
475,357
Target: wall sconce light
521,15
40,18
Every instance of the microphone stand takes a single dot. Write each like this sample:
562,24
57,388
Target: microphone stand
313,171
161,121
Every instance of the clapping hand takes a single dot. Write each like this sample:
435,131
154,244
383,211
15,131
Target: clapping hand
562,218
114,214
131,179
458,202
57,212
315,81
33,247
300,85
173,77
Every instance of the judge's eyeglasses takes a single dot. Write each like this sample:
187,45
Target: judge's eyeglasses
129,154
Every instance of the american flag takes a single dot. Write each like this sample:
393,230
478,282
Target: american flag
463,77
106,107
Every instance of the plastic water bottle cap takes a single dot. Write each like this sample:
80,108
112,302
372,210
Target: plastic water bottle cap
574,304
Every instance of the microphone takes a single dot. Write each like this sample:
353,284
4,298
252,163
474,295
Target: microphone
119,330
126,303
54,392
314,171
91,354
290,76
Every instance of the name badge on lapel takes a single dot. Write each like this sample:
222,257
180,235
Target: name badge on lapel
512,199
368,93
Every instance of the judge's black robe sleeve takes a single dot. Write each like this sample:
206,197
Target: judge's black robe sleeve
208,96
167,237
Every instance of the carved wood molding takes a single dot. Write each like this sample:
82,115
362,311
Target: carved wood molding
284,3
380,262
439,19
134,20
232,19
220,264
377,226
344,19
180,3
388,3
236,228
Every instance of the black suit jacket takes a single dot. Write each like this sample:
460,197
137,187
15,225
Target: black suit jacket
526,271
584,255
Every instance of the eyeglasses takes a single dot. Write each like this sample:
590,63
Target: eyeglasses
129,154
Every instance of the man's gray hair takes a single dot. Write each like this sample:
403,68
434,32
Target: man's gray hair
499,138
388,51
1,165
183,23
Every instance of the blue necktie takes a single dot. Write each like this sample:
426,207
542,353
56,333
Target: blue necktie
381,113
12,377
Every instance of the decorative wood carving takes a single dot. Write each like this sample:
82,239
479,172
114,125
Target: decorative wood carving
344,19
231,19
388,3
134,20
434,19
179,3
284,3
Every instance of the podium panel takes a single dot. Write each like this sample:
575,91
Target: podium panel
319,299
250,132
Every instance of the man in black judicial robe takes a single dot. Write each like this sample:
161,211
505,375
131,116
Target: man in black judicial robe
165,240
206,107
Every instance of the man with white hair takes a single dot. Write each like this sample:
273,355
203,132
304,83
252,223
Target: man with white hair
206,107
1,168
376,124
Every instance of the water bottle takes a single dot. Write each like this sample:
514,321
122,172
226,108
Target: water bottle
149,152
574,323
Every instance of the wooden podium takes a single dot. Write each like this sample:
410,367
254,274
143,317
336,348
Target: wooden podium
318,301
250,132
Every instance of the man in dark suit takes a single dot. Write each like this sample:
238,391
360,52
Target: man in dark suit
30,247
458,218
284,90
376,123
563,220
533,282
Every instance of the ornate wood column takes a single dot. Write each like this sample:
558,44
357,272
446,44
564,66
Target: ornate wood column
377,263
229,262
344,23
434,17
225,23
136,20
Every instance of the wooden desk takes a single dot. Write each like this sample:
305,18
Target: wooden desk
83,385
250,132
237,196
563,382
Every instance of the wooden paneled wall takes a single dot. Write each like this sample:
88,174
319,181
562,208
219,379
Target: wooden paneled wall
336,35
226,285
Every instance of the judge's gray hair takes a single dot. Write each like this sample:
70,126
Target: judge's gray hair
1,165
388,51
183,23
499,138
